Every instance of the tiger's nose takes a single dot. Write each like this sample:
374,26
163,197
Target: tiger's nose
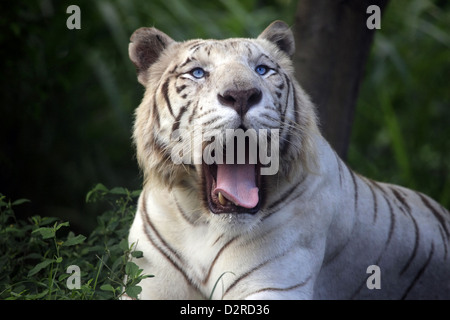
240,100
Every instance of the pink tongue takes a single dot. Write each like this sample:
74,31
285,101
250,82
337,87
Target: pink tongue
236,182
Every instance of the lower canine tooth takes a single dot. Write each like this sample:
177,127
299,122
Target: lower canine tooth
222,199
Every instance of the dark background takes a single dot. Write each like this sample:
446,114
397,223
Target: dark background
68,96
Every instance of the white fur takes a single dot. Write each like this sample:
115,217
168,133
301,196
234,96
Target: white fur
322,224
299,238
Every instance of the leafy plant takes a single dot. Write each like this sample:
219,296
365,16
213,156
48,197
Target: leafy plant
401,126
36,253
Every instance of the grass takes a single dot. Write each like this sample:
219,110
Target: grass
37,253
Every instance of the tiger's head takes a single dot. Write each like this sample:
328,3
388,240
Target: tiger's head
199,91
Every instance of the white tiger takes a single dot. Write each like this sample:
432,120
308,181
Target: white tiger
225,231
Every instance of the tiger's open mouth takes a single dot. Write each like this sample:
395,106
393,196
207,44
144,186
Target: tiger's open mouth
233,188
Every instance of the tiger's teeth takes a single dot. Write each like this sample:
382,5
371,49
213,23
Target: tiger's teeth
222,199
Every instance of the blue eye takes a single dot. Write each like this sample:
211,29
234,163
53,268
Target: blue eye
198,73
261,70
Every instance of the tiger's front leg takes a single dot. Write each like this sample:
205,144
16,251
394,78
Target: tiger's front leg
303,291
167,283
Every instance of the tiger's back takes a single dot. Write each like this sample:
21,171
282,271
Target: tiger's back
293,223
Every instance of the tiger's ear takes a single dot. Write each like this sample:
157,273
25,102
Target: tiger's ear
146,45
280,34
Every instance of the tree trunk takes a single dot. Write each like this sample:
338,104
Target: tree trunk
332,46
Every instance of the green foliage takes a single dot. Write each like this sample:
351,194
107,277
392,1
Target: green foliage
36,253
401,126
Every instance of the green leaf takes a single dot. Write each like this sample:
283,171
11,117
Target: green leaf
132,269
137,254
46,220
40,266
99,188
135,193
123,245
119,190
20,201
63,276
45,232
33,255
64,224
74,240
38,295
133,291
107,287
